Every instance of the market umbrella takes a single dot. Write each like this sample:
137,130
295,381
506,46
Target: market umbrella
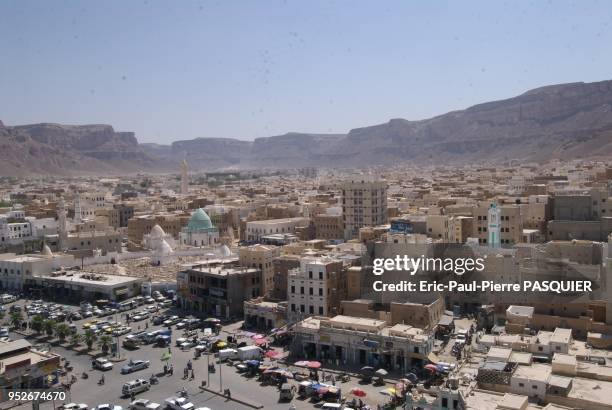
258,336
381,372
355,391
431,367
212,320
259,342
301,363
272,353
314,365
367,369
322,389
412,377
166,356
389,391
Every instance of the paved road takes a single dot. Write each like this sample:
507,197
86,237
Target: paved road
89,392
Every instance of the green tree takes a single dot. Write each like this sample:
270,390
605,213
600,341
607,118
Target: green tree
104,343
76,339
49,326
16,319
62,330
37,324
90,338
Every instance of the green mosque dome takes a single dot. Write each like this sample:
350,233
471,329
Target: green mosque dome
199,221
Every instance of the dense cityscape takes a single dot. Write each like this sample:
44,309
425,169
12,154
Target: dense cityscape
256,287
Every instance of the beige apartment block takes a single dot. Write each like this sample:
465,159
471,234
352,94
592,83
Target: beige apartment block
364,203
328,226
261,257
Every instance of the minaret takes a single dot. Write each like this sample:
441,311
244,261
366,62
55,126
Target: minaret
494,227
184,181
77,209
61,216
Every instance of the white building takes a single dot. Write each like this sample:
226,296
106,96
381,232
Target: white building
16,269
255,230
311,288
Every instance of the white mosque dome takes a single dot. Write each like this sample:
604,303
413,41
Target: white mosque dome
164,248
225,252
157,232
46,250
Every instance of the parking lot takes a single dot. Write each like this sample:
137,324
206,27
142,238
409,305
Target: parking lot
247,389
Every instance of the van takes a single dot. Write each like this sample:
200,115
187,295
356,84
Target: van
135,387
249,353
7,299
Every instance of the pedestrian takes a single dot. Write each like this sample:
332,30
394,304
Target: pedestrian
333,379
171,370
185,373
147,325
169,349
165,369
192,375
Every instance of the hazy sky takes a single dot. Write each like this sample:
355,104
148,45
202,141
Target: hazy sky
245,69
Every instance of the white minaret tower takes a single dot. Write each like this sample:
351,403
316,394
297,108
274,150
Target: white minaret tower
184,180
61,216
494,227
78,217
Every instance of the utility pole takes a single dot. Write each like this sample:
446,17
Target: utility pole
220,377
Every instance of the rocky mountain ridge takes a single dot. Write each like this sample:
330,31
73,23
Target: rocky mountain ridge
560,121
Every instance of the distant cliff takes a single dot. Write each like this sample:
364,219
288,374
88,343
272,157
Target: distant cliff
560,121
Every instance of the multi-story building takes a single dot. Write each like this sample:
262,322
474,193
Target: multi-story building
362,342
24,367
126,212
328,226
261,257
316,287
364,203
510,224
282,265
218,288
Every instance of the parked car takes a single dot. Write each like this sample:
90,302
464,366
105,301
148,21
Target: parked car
109,407
102,364
135,365
172,320
144,404
179,403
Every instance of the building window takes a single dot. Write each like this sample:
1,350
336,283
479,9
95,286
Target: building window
301,290
320,310
320,275
302,309
311,309
320,291
309,274
293,307
292,289
310,291
521,384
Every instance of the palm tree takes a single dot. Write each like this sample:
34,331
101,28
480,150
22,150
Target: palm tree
90,338
49,326
62,330
76,339
37,324
16,319
104,343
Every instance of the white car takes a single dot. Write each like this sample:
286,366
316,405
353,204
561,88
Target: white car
108,407
181,325
144,404
75,406
179,403
102,364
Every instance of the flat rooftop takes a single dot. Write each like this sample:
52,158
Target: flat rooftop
88,278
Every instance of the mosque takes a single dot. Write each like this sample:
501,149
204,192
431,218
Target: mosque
199,231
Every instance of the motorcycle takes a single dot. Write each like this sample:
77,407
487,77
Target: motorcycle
84,375
153,379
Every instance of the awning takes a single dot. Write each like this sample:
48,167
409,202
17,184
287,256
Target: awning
432,357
